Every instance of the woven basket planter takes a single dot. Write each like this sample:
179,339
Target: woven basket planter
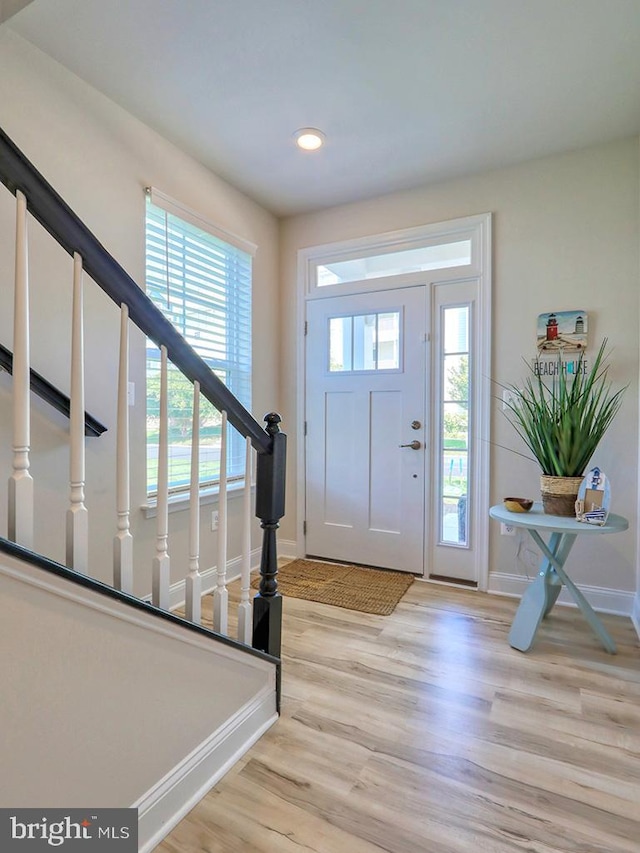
559,494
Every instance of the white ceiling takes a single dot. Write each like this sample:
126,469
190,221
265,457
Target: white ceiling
10,7
408,92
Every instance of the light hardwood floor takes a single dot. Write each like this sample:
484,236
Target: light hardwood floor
424,732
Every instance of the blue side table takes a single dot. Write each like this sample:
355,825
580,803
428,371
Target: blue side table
542,593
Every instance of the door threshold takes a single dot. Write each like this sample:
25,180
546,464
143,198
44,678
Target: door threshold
453,581
334,562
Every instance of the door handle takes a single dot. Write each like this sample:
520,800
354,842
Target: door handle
414,445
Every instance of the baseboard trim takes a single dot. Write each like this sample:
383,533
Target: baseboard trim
167,803
288,549
603,599
210,579
635,616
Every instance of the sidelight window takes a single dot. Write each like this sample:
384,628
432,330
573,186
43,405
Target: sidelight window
454,419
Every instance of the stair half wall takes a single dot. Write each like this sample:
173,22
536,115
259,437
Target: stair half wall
107,706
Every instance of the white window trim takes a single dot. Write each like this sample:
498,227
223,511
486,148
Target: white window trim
170,205
469,228
180,501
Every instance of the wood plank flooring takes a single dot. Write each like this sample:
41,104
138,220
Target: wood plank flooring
424,732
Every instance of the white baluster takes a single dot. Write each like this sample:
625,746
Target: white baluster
221,594
123,541
245,627
77,514
161,562
193,583
20,528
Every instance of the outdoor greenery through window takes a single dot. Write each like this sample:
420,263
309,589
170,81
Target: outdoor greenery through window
455,426
203,286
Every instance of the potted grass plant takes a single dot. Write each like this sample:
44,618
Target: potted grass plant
562,422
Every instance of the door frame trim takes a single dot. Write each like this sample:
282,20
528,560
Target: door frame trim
478,228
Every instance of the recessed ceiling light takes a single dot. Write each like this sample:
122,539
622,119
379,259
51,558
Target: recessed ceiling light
309,138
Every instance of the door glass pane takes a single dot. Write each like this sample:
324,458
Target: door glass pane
340,350
364,342
454,439
389,341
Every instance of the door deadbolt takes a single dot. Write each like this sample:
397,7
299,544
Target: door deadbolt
414,445
415,424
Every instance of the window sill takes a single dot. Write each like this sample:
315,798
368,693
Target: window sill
180,502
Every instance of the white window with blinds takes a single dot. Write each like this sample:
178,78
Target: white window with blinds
200,278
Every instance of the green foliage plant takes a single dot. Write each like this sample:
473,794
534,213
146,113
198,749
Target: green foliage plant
563,421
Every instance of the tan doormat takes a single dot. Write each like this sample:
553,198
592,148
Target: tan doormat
352,587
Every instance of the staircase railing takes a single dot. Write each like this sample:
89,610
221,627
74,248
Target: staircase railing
52,395
37,197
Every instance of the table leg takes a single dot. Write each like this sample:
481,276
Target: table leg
539,597
560,548
587,611
554,587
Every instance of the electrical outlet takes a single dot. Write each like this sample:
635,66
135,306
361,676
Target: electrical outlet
507,529
215,517
509,396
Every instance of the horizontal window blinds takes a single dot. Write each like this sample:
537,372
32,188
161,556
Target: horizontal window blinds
159,199
202,284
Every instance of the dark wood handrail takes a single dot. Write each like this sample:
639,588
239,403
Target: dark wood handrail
56,217
43,388
17,173
20,553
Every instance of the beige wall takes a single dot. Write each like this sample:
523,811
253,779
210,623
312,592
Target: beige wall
100,159
126,696
565,235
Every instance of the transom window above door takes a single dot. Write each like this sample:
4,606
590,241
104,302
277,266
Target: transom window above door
436,256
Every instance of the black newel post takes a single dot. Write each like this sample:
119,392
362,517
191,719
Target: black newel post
270,483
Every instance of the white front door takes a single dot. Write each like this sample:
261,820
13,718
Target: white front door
365,421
